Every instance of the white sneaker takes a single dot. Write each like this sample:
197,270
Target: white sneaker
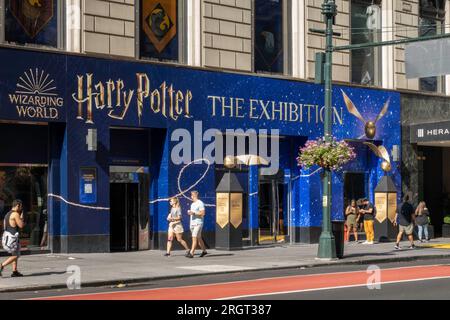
370,242
365,242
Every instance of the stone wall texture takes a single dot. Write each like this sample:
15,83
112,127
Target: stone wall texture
109,27
227,34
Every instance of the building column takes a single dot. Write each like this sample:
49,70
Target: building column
194,19
253,204
159,187
298,38
72,20
387,27
307,206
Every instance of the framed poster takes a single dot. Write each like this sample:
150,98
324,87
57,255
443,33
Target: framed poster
88,185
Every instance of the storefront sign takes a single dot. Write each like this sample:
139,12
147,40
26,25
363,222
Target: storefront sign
429,132
88,185
36,96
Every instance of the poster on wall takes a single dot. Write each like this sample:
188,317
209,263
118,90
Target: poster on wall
88,185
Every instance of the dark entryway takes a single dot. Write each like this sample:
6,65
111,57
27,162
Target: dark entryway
354,186
124,216
272,227
434,183
129,210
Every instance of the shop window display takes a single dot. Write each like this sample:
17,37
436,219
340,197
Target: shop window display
29,184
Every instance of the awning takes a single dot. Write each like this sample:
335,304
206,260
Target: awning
433,133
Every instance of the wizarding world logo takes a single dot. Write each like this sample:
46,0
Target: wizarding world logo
36,96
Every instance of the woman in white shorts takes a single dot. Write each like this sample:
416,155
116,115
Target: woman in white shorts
175,226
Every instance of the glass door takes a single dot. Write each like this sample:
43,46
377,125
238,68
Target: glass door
272,206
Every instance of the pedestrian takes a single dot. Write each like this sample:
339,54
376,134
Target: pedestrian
352,218
197,214
368,212
422,214
10,239
360,205
405,220
175,226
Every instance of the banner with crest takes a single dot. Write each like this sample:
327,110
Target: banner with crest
159,25
31,21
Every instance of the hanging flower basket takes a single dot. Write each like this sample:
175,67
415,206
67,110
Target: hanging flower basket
330,155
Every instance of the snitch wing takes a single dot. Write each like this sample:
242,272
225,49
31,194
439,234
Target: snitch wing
374,148
379,151
384,110
384,154
351,107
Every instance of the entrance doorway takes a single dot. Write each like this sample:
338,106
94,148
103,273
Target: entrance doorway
272,208
129,210
124,216
354,187
434,183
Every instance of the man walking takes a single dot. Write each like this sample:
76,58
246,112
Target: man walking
10,240
368,213
197,214
405,220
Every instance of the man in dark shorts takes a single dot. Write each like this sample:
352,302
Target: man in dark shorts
405,220
10,240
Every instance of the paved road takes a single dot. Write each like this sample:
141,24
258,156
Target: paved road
413,280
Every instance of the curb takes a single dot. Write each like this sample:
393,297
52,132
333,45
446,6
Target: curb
94,284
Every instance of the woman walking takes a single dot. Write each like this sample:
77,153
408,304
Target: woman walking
422,214
175,226
352,217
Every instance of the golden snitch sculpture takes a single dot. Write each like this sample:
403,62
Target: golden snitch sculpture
369,126
381,152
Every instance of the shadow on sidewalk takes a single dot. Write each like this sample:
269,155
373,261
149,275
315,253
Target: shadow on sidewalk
365,254
49,273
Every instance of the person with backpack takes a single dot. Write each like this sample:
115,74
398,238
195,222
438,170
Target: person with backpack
405,220
10,240
422,214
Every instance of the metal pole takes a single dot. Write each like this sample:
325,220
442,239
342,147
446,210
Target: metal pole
327,246
390,43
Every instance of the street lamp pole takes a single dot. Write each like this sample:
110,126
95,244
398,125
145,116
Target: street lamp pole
327,246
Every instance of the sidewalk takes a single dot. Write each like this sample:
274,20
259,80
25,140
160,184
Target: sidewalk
48,271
